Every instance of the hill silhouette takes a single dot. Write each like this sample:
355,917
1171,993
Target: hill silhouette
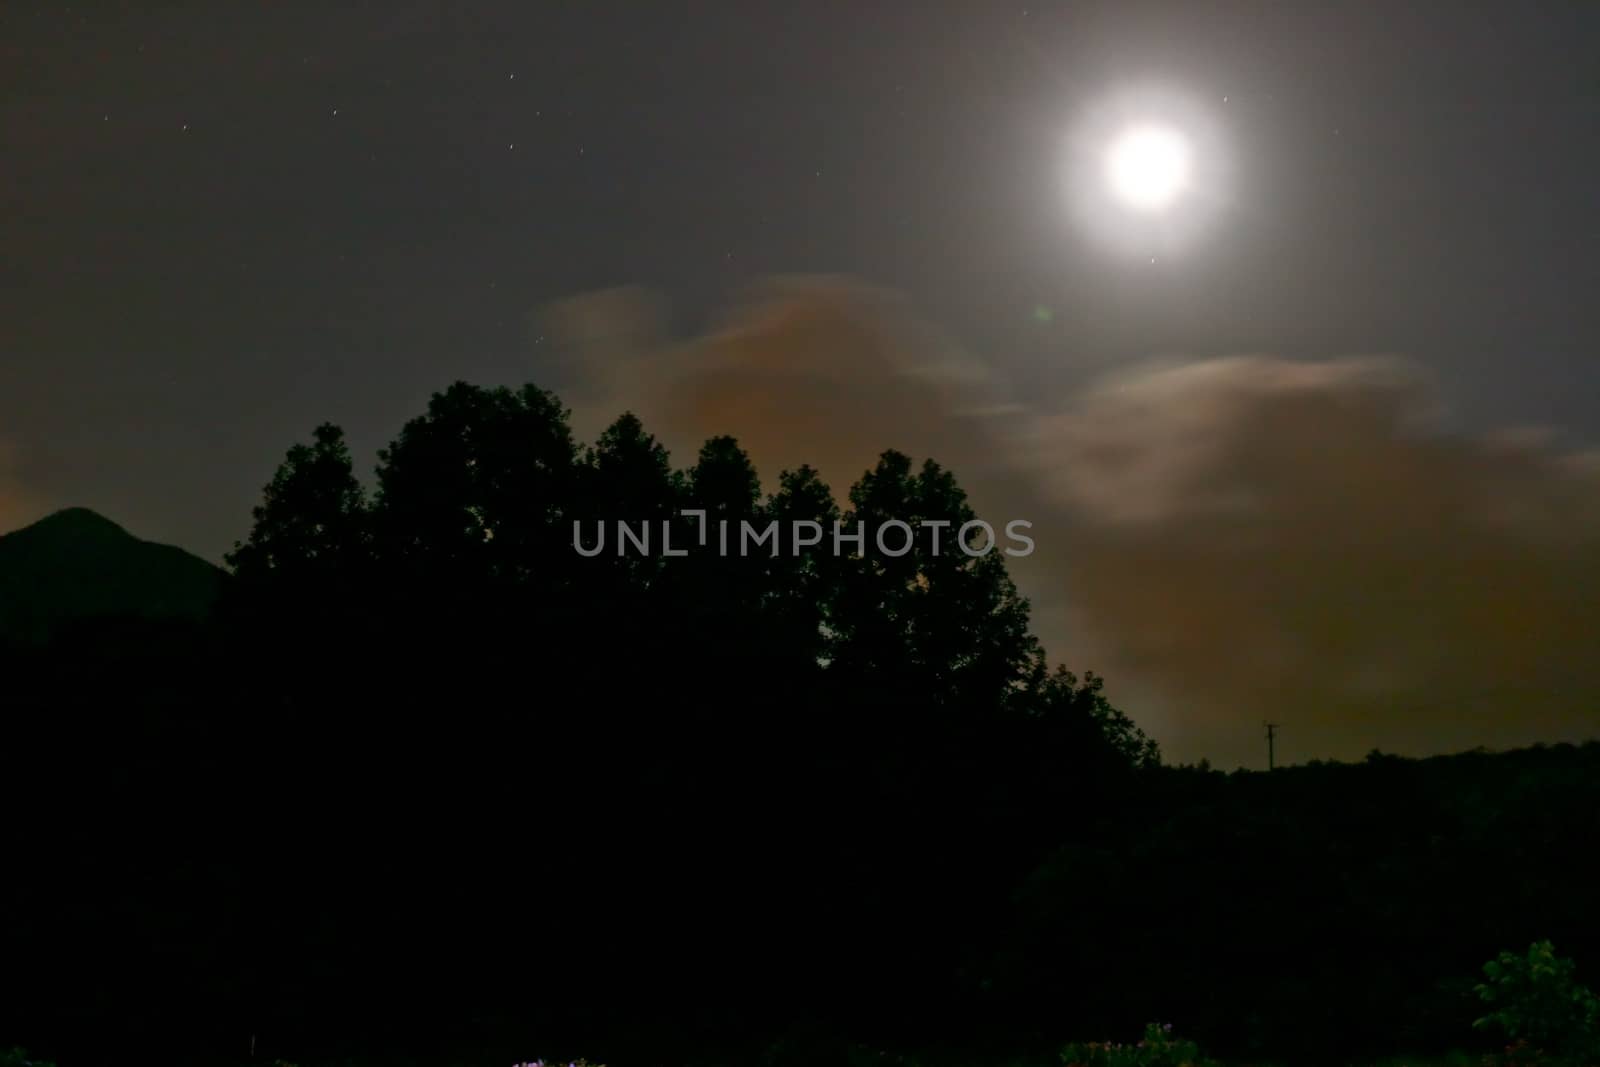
77,565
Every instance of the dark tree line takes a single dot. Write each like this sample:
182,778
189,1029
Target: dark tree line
432,784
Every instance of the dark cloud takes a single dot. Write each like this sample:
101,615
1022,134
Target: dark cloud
1229,541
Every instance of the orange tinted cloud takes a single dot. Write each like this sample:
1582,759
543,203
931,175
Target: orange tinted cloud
1228,541
1306,543
817,371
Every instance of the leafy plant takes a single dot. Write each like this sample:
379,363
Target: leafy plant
1537,1003
1516,1054
1158,1048
18,1057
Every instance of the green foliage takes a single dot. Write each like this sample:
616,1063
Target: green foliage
1537,1003
820,1046
1158,1048
18,1057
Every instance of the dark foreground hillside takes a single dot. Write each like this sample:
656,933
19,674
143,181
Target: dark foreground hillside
428,788
181,881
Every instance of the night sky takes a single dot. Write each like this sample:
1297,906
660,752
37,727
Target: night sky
224,223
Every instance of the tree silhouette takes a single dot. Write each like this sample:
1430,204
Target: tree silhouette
803,575
945,624
435,763
311,526
628,479
829,691
1082,715
479,488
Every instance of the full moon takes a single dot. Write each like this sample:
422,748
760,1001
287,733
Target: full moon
1147,167
1148,171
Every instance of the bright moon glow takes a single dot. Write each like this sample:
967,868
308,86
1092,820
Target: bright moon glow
1149,172
1148,167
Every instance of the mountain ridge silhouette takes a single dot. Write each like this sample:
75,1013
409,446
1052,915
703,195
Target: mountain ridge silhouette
75,564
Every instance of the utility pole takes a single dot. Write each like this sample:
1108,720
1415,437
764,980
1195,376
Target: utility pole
1272,728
